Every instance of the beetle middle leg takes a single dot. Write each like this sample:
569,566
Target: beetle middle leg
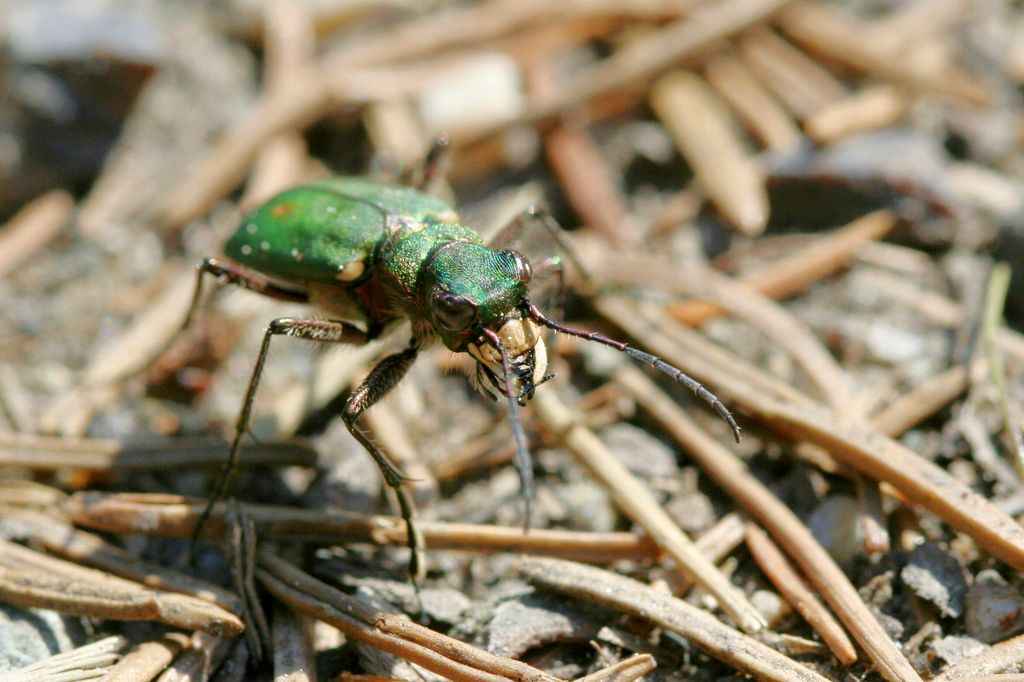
426,174
323,331
381,379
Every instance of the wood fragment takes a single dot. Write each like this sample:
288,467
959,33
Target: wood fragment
33,579
795,591
732,476
632,668
62,539
241,550
860,448
799,82
174,516
629,596
827,30
913,22
995,301
912,408
19,493
294,658
25,588
872,516
1015,55
47,453
705,136
292,107
588,184
289,43
872,108
34,226
759,111
483,22
199,661
337,79
1005,655
146,660
90,661
397,635
394,129
17,404
787,276
647,57
716,544
639,505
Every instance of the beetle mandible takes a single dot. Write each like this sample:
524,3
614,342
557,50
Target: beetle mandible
368,254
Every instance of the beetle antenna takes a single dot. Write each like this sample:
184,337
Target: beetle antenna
648,359
524,465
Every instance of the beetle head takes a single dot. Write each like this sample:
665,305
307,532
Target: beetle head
474,296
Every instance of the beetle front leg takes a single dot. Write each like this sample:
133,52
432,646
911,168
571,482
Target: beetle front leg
382,378
537,215
324,331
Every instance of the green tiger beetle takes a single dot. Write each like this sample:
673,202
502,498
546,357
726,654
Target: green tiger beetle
367,254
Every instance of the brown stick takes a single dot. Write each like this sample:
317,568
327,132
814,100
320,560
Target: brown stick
174,516
33,227
647,57
787,276
732,476
1004,655
146,660
796,79
856,446
633,498
795,591
706,136
289,45
483,22
34,579
199,660
632,668
827,30
871,108
754,105
632,597
588,183
86,662
60,538
912,408
397,635
45,453
294,658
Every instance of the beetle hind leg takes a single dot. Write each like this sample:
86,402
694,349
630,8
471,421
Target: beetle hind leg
233,274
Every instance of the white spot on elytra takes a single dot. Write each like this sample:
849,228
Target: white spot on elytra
351,271
265,246
251,228
297,255
332,209
246,249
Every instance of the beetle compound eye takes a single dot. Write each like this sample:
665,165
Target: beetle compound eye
453,312
524,271
516,265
